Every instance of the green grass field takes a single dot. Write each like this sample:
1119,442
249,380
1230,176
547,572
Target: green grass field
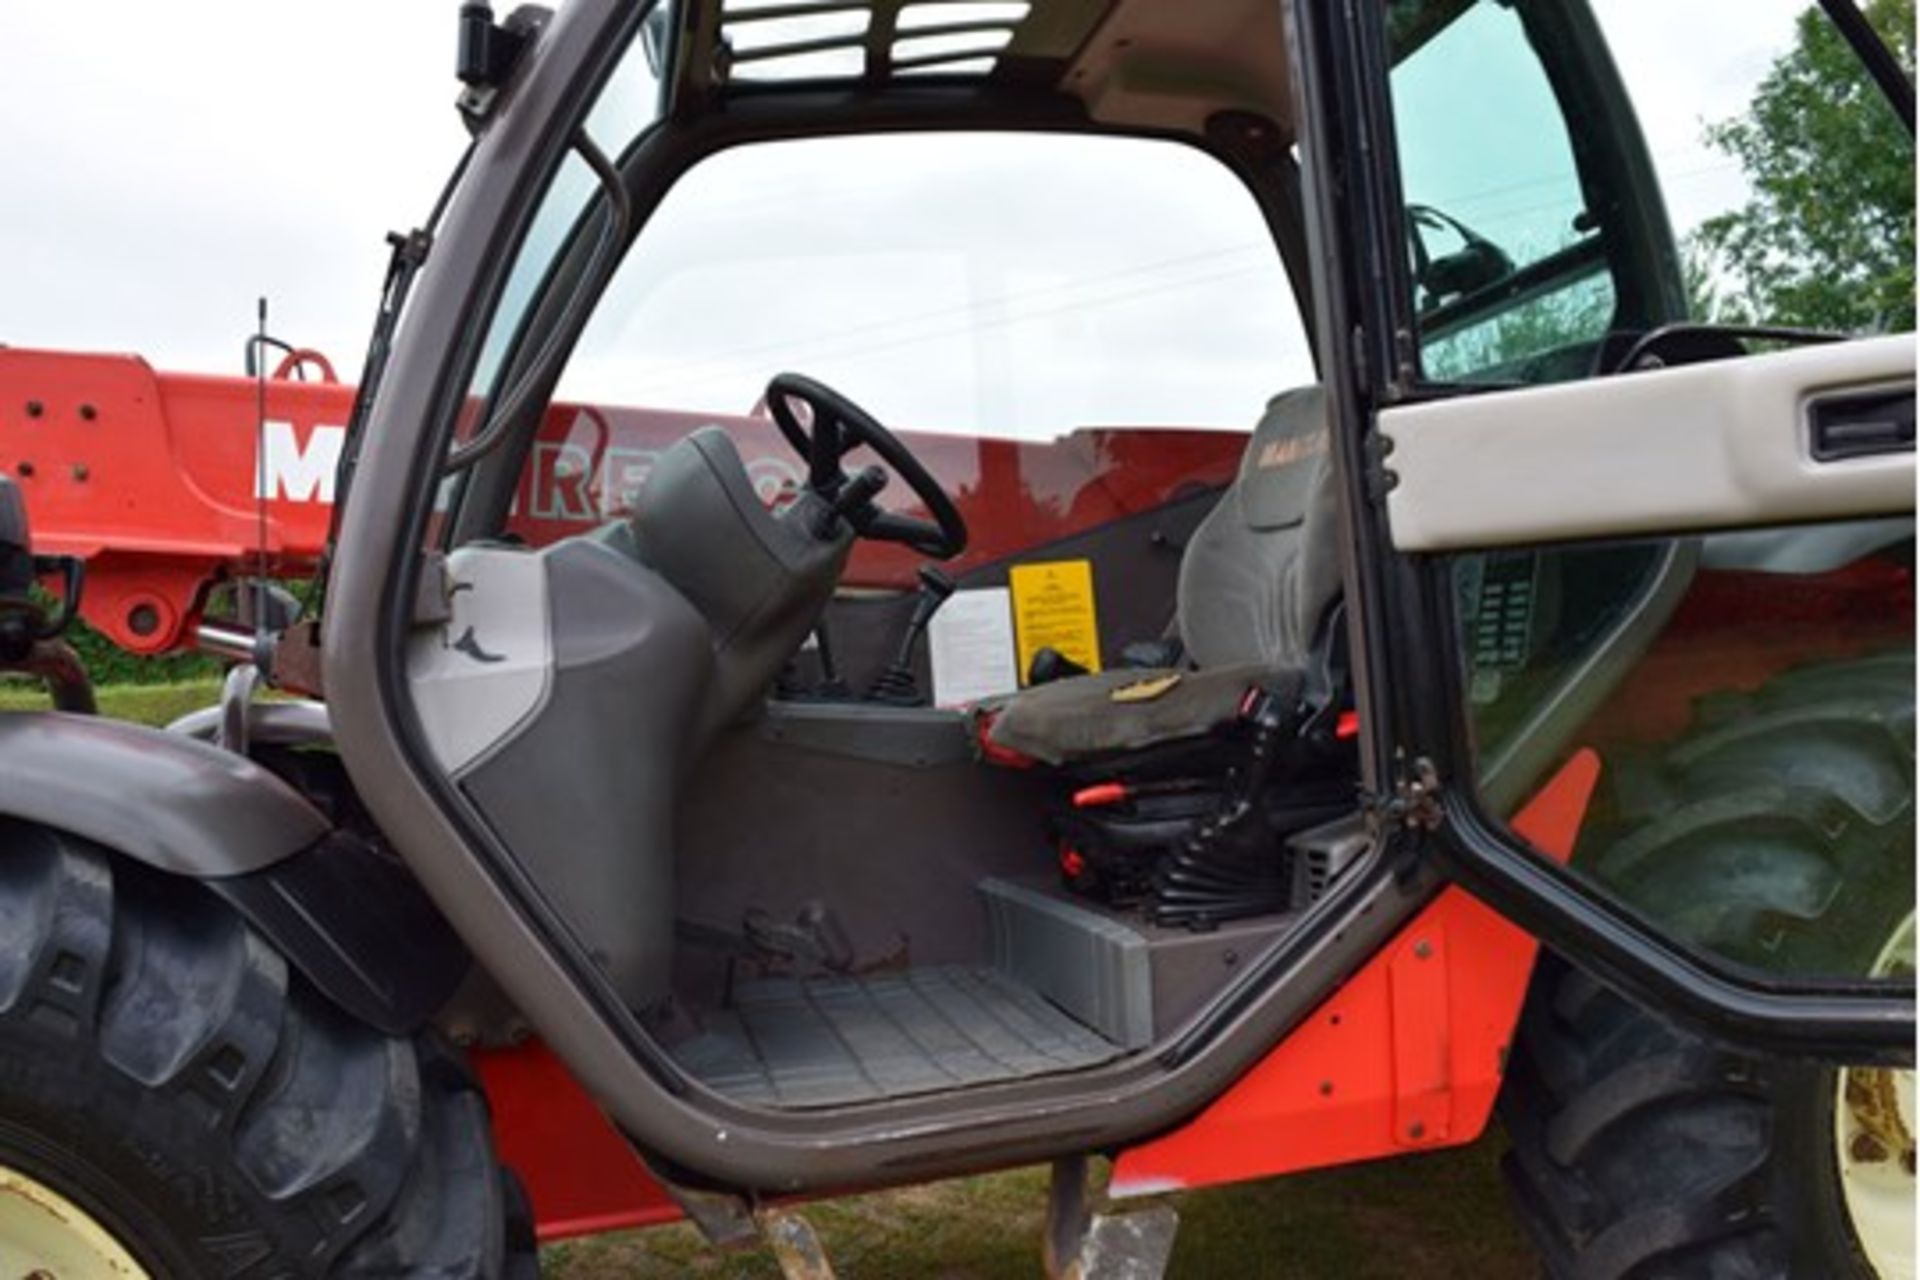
1432,1216
1435,1217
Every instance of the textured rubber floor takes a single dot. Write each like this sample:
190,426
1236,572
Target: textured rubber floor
823,1042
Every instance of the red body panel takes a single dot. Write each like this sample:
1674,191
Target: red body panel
1407,1056
580,1174
151,477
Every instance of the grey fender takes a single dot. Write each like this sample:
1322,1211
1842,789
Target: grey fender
164,799
347,915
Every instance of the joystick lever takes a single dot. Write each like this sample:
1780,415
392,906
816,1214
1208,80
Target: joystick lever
897,684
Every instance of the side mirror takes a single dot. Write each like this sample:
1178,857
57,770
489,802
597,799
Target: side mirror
1467,270
1443,271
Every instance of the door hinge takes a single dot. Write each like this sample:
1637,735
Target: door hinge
1414,802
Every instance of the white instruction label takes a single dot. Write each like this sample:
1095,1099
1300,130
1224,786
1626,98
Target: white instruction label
970,646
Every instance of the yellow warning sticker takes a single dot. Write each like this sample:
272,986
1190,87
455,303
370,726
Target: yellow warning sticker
1053,608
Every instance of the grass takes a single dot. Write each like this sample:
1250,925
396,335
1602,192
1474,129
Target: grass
153,704
1435,1216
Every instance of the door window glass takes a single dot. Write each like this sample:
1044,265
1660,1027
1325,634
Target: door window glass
1504,251
1751,699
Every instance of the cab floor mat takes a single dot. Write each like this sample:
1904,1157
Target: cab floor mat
821,1042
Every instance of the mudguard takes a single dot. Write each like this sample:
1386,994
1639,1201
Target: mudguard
170,802
344,913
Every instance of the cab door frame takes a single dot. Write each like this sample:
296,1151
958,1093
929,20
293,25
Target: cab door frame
1419,762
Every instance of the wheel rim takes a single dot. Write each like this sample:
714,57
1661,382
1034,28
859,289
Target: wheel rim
45,1236
1873,1132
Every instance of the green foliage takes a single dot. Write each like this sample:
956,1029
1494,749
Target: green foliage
1707,297
1827,238
110,665
1493,348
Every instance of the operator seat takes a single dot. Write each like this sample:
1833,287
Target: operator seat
1257,582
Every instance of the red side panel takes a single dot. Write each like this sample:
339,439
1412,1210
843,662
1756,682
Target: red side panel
1407,1056
580,1174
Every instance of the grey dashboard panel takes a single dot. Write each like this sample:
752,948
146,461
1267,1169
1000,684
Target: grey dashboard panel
485,668
759,580
162,798
582,788
917,737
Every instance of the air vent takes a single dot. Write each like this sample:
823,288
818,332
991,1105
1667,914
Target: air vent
1321,856
786,40
918,17
838,26
953,38
776,40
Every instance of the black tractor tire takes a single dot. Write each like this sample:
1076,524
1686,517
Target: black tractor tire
1778,832
163,1069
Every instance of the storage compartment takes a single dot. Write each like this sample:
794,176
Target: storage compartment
1132,982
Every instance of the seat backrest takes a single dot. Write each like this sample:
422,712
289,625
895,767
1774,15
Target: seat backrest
1263,568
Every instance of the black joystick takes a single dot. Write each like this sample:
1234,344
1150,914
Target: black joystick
897,684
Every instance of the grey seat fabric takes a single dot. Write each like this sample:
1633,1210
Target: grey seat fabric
1255,585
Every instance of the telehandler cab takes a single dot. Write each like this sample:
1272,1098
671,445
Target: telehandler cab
749,831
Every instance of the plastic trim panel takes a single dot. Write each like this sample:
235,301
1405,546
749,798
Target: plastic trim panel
1709,446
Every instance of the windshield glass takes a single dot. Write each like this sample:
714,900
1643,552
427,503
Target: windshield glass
627,106
991,284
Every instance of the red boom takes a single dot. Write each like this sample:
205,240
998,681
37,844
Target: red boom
151,477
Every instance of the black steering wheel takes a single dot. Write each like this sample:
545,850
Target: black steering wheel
839,426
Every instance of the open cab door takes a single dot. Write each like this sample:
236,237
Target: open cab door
1593,524
1596,524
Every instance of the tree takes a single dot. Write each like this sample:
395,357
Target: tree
1826,240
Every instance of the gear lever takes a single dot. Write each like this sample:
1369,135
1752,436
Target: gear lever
897,684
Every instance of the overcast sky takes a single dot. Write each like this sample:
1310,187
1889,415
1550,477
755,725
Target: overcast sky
166,164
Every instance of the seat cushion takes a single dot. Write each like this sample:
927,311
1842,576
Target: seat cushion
1086,717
